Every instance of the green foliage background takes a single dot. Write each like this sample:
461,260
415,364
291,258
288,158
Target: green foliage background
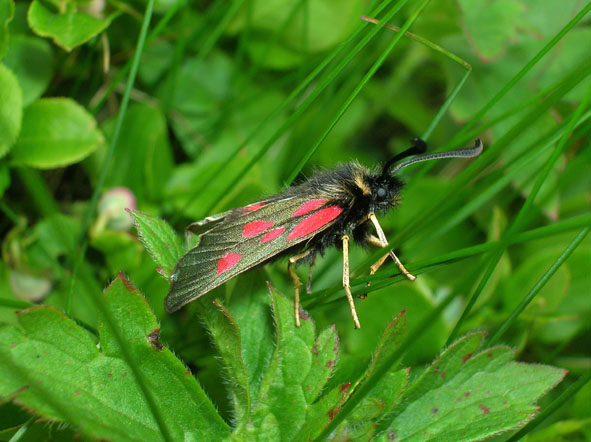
185,109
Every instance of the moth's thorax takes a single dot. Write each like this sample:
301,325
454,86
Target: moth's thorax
353,187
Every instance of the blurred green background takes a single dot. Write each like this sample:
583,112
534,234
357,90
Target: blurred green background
233,99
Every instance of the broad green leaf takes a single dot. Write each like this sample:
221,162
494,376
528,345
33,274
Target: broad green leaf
67,29
31,59
324,359
287,390
6,14
312,28
469,396
10,111
159,239
491,25
249,305
68,377
55,132
385,394
226,336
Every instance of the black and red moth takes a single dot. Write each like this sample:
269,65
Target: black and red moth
327,209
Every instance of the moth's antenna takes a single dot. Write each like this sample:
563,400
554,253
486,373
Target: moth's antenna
460,153
418,147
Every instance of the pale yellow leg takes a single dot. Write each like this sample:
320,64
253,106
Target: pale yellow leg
380,241
295,279
346,284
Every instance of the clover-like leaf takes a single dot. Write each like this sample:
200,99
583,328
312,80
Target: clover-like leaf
55,132
67,29
11,109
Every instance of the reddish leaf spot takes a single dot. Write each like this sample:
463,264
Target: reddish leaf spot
124,374
77,393
227,262
466,357
154,339
303,314
109,375
331,364
459,399
314,222
272,234
435,411
307,207
443,374
255,227
345,387
467,394
504,402
391,435
484,408
489,354
333,412
253,207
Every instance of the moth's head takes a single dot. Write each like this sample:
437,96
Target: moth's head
386,187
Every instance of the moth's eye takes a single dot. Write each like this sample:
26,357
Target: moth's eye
381,193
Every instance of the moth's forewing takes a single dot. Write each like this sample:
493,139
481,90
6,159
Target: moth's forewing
244,239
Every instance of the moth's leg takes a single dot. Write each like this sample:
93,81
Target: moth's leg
381,241
309,282
375,267
295,279
346,284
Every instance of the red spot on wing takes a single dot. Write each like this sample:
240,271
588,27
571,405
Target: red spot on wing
314,222
308,207
253,207
272,234
255,227
227,262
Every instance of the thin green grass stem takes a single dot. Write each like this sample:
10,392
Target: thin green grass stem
380,281
306,103
361,392
518,223
125,70
356,92
538,286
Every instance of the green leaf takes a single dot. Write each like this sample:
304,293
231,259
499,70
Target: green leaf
286,405
159,239
491,25
31,59
468,396
68,29
226,335
10,111
324,359
57,370
6,15
55,132
250,307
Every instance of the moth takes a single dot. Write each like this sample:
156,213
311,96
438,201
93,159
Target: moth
331,208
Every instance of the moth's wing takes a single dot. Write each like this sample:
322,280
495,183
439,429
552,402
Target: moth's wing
243,241
206,224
